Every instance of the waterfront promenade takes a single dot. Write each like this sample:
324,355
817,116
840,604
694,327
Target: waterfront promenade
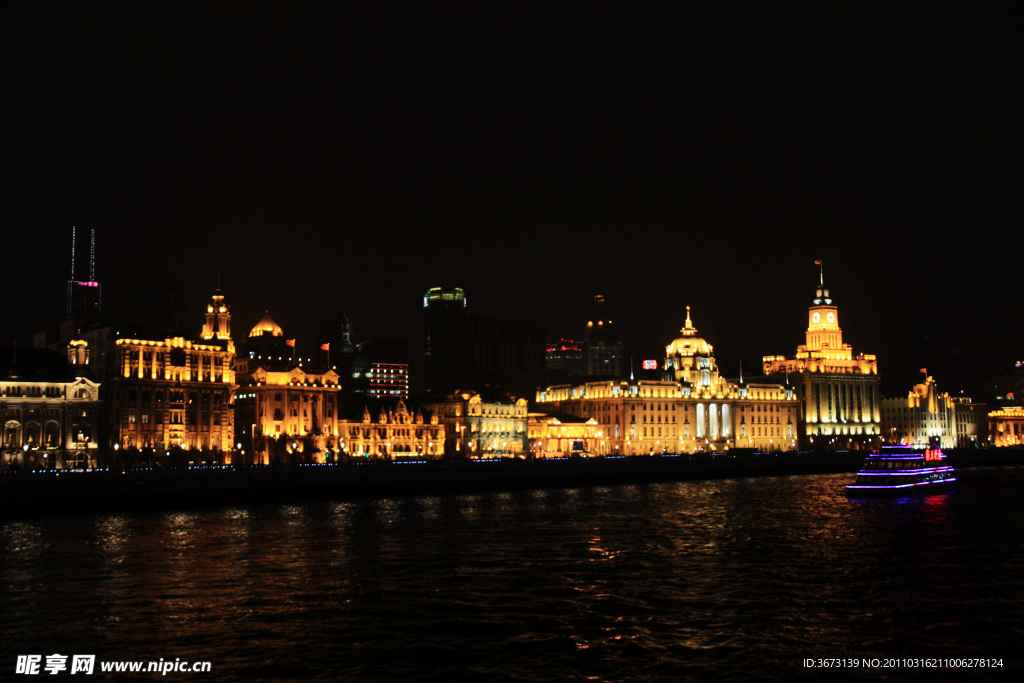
63,492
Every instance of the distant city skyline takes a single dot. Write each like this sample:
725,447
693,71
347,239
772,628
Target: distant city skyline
900,379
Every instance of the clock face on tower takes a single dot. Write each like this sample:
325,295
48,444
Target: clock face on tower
815,317
831,317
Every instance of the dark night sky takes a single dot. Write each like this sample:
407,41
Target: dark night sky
349,159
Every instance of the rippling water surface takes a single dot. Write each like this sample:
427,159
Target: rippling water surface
735,580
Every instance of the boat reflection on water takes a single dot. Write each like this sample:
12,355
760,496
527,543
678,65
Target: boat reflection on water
905,470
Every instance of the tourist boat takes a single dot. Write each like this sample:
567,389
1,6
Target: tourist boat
905,470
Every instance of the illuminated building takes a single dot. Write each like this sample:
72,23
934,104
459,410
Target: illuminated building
1006,426
604,347
388,380
49,411
694,409
690,359
838,391
634,418
284,414
924,416
266,342
174,393
476,428
218,321
395,434
287,415
380,369
562,435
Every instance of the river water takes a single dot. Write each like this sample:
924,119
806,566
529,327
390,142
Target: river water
733,580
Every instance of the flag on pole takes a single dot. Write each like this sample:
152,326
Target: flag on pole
325,347
290,342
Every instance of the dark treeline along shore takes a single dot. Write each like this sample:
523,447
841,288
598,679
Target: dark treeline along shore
55,492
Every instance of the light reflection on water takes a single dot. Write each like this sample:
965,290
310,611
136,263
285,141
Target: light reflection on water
732,578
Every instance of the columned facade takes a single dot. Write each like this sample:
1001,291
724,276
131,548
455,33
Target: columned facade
172,399
49,423
1006,427
693,409
286,416
838,391
479,428
562,436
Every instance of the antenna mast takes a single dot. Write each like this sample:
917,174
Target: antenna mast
92,257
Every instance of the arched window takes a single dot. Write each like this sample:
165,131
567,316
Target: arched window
12,434
51,434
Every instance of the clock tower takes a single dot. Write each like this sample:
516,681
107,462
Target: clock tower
823,332
839,391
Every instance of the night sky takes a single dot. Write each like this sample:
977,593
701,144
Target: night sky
350,158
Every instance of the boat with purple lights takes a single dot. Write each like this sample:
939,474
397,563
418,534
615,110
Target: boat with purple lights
903,470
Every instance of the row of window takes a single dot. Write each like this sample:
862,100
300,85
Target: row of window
175,417
18,391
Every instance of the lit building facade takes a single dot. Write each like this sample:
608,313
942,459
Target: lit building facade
50,419
693,410
560,436
284,413
478,428
395,434
287,415
924,417
1006,426
838,391
633,418
175,393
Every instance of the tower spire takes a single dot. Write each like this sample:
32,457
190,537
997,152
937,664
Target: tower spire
218,318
